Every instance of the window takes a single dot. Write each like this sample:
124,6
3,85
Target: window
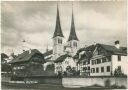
93,70
109,58
75,44
108,68
59,40
84,68
119,57
93,62
98,61
97,70
103,60
119,68
88,68
102,69
89,62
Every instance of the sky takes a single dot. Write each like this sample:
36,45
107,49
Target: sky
34,22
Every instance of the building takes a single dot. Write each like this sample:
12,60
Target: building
60,50
108,60
102,60
63,62
82,58
28,63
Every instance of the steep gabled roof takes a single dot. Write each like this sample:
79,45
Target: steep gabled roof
61,58
72,35
88,52
25,56
113,49
50,52
3,55
58,30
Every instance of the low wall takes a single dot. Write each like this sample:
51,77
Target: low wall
45,80
90,81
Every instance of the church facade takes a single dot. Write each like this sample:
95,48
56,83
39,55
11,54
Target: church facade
61,49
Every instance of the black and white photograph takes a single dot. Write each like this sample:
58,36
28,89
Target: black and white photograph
64,45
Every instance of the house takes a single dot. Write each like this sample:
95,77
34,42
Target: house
63,62
28,63
5,67
109,60
82,57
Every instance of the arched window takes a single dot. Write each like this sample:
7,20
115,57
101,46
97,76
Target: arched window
59,41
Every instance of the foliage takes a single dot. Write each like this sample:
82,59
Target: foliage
6,67
118,72
50,67
3,55
71,71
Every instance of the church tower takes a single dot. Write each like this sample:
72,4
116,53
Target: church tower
57,38
73,40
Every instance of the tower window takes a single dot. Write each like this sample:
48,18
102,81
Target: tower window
59,41
75,44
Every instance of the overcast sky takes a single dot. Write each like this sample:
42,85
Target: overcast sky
100,22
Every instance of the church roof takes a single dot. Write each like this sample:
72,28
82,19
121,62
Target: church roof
58,30
72,35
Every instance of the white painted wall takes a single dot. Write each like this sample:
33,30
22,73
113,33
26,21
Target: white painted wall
84,82
58,48
105,73
123,63
68,62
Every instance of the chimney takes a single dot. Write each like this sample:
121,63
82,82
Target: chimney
29,51
117,44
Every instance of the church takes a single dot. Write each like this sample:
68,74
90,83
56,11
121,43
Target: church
63,52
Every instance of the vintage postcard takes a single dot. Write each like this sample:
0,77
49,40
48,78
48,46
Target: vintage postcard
64,45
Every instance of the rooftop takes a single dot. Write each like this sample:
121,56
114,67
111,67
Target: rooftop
25,56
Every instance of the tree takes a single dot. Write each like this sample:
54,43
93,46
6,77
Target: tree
3,58
6,68
118,72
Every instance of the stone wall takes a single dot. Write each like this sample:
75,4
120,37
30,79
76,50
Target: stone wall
45,80
90,81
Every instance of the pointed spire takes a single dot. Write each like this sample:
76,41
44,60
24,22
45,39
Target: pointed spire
58,31
72,35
